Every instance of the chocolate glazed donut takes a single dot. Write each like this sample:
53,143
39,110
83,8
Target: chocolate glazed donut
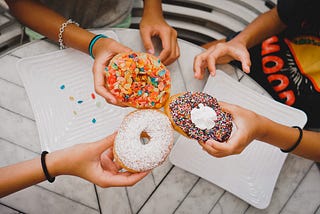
199,116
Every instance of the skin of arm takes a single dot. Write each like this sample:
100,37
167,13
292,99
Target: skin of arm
153,24
252,126
90,161
262,27
47,22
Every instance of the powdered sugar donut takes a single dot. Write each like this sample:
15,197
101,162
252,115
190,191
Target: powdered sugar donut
139,80
199,116
144,140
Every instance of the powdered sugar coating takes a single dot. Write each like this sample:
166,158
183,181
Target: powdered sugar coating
128,147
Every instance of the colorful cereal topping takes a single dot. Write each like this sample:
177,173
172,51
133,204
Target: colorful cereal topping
138,79
181,107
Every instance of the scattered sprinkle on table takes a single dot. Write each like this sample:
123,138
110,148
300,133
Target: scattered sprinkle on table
62,87
93,96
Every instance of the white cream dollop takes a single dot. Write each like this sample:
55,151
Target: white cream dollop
203,117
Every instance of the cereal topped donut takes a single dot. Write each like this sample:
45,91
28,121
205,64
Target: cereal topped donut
144,140
139,80
199,116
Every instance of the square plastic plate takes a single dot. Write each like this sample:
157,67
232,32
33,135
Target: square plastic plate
61,92
252,175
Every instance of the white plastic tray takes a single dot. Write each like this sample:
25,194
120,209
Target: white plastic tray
61,92
252,175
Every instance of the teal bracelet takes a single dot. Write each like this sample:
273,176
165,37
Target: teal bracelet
93,41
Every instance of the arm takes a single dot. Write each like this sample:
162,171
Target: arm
153,24
90,161
262,27
47,22
252,126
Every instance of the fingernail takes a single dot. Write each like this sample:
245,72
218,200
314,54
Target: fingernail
209,143
151,51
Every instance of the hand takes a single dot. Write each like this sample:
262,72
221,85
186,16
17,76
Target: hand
94,162
247,124
104,50
221,53
156,26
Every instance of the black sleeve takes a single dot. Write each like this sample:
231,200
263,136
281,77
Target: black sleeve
291,12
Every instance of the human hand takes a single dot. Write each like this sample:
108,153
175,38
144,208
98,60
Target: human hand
156,26
248,128
103,50
94,162
221,53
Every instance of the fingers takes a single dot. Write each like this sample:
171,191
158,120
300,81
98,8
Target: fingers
123,179
146,38
244,58
99,79
235,145
106,161
106,143
199,65
168,36
227,107
213,149
104,53
100,83
221,53
170,51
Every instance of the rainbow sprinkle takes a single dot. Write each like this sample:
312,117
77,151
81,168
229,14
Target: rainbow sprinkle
138,79
93,96
62,87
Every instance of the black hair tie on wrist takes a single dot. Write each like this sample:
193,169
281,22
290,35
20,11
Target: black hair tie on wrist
297,143
44,167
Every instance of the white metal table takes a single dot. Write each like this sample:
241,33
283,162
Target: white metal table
168,189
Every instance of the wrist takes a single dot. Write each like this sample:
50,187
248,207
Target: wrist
263,128
95,43
56,163
241,39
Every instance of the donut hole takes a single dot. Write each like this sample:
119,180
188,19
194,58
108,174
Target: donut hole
144,138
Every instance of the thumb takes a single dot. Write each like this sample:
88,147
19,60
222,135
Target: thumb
227,107
246,62
107,142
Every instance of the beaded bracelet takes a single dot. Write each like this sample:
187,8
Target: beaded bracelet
44,167
61,30
93,41
297,143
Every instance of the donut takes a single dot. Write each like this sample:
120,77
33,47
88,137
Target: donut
199,116
138,80
144,140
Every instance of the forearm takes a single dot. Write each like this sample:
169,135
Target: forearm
22,175
264,26
285,137
19,176
152,8
47,22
